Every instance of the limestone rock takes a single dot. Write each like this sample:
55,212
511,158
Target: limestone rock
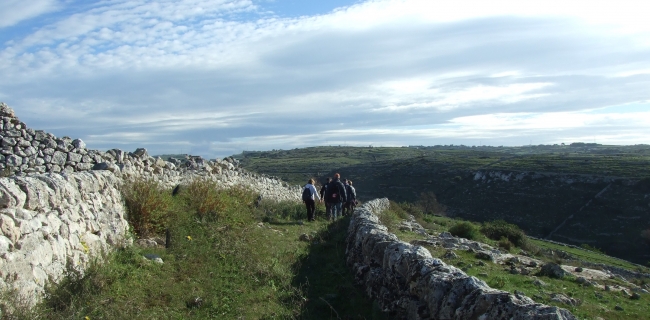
552,270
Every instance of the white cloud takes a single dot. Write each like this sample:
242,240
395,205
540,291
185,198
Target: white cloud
13,12
445,101
222,75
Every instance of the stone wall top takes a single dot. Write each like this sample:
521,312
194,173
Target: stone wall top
410,284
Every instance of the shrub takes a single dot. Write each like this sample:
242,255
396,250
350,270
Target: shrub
498,229
505,244
465,230
147,204
203,197
404,210
428,202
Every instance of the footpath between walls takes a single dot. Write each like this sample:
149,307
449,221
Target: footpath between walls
60,204
408,282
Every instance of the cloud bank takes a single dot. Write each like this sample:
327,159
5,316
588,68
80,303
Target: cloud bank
218,77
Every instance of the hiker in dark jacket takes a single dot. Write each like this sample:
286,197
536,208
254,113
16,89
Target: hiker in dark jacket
348,207
309,196
335,195
322,195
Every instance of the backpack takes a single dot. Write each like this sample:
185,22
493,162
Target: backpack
306,194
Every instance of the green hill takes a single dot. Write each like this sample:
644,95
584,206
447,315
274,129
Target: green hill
578,194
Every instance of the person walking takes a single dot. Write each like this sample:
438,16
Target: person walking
351,202
322,196
309,195
335,195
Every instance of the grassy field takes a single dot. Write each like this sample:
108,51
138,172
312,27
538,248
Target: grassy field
228,259
298,165
232,258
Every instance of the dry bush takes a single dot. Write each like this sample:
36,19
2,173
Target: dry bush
204,197
148,205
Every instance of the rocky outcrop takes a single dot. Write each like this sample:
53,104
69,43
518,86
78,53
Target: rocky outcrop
410,284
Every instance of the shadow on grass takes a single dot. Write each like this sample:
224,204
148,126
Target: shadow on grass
328,283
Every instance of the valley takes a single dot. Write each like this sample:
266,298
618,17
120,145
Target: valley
580,194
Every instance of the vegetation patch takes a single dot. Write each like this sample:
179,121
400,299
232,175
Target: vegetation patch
465,229
499,229
229,257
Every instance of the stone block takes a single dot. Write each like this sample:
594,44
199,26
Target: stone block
10,194
74,157
79,144
8,228
5,244
59,158
8,142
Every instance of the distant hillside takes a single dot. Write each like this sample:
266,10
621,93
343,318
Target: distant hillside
579,193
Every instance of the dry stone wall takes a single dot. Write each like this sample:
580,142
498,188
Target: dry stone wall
60,204
410,284
49,222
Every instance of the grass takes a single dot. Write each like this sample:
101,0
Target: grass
594,302
229,259
555,182
233,258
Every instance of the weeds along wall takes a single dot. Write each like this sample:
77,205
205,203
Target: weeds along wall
61,206
407,281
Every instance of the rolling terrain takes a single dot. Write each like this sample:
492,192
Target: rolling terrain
581,194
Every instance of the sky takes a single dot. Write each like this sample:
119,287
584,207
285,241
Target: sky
217,77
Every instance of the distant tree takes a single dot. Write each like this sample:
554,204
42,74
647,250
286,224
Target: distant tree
429,204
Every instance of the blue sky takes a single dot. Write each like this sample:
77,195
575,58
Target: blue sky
215,77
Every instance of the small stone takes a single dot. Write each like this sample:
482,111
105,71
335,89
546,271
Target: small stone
483,255
635,296
539,283
193,303
618,308
552,270
305,237
578,269
450,255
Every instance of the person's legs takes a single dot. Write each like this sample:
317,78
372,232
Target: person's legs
328,208
336,210
307,207
347,209
311,207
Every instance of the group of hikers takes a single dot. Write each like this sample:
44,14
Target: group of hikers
339,196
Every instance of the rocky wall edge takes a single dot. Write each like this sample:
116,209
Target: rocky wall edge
406,281
52,222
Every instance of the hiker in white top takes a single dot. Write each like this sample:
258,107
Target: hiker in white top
309,197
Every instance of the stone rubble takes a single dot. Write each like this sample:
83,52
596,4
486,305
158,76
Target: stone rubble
406,281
